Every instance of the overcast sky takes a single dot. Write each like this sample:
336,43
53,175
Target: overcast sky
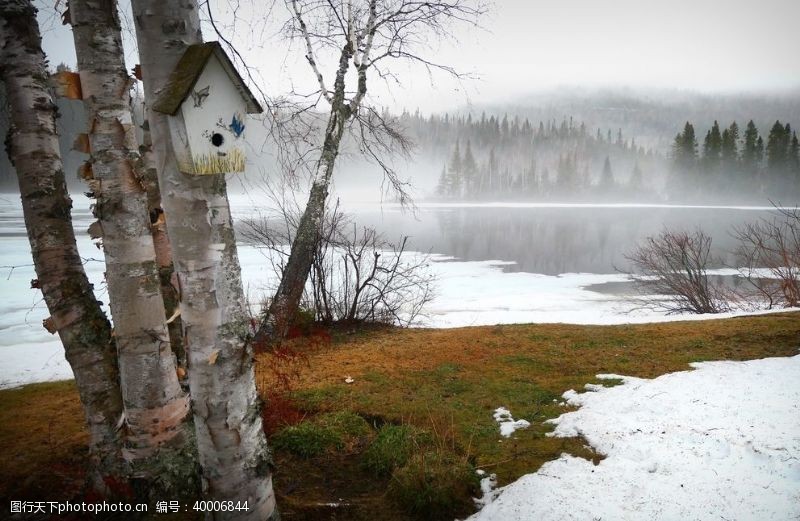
530,45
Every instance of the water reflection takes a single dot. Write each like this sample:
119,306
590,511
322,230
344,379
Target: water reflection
553,240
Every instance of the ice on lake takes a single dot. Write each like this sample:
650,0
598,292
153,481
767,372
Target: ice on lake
492,264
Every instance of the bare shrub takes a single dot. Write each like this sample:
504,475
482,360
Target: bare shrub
357,274
673,265
769,256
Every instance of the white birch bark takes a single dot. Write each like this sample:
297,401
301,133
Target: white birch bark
230,440
287,298
76,315
156,408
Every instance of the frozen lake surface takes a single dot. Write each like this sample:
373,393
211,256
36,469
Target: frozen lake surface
501,263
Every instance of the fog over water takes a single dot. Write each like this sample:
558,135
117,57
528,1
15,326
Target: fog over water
552,240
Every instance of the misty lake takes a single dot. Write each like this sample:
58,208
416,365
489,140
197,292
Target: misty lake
493,263
550,239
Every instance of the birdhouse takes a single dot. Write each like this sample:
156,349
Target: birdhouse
206,102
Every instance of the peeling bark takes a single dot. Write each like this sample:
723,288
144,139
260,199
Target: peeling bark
76,315
231,443
148,177
156,408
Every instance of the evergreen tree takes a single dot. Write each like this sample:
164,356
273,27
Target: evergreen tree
531,183
712,148
777,148
454,173
794,158
730,147
441,186
491,171
635,181
684,157
750,156
607,177
469,169
684,149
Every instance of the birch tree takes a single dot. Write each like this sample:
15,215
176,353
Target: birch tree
231,443
156,408
75,312
363,37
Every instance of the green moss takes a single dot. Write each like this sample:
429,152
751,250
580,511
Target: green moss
392,448
318,398
171,472
323,433
434,485
305,439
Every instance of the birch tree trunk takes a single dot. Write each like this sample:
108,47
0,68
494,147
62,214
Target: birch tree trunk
230,440
75,313
147,175
156,408
158,228
287,298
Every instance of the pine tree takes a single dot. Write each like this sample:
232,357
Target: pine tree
750,159
794,157
469,170
441,186
491,171
684,157
712,148
607,177
730,147
760,150
684,149
454,173
777,148
635,181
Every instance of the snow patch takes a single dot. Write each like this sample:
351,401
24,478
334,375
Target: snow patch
507,423
488,492
719,442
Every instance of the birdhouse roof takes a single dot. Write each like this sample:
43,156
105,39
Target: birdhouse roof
187,72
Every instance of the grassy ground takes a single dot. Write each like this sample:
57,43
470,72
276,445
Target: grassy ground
425,395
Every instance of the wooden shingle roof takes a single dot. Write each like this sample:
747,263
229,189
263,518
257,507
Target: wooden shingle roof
187,72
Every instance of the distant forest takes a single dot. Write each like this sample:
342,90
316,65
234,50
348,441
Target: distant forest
502,158
617,149
735,163
512,159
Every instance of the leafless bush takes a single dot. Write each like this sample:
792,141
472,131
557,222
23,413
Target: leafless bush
357,275
674,266
769,256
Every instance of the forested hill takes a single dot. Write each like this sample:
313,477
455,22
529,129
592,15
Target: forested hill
628,149
507,157
570,145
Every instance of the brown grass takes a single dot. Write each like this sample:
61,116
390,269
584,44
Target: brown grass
42,442
457,377
448,381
